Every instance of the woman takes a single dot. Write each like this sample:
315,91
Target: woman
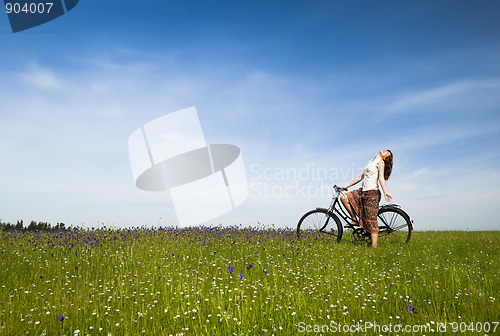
365,200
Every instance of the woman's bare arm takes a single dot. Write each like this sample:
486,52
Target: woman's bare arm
353,182
381,179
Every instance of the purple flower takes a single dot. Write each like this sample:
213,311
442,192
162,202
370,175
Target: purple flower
76,268
230,269
412,309
324,265
41,276
249,266
241,276
264,271
60,318
159,277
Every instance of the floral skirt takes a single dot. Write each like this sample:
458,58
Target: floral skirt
365,205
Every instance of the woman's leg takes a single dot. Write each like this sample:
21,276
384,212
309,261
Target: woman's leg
370,201
374,239
349,208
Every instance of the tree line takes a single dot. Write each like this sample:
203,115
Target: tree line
33,226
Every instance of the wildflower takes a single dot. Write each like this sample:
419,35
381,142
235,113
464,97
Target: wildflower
159,277
230,269
249,266
412,309
60,318
264,271
241,276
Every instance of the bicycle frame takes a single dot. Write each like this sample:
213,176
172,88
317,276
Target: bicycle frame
336,207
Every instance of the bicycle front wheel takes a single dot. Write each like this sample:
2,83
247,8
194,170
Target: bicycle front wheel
394,225
317,223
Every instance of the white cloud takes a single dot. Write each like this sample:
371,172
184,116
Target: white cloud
41,77
473,94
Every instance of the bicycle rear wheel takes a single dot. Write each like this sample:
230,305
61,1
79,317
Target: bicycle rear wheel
319,222
394,225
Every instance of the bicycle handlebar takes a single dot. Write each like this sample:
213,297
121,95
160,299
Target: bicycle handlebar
337,188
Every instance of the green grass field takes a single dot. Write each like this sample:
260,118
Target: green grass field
225,281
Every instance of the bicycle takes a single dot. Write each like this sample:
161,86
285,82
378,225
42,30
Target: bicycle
394,223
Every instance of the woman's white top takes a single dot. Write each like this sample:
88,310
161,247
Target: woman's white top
370,175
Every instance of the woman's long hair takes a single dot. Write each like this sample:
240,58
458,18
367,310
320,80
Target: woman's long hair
388,166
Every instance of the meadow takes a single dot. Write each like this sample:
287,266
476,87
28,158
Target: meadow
241,281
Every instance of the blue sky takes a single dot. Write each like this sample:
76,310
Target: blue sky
300,86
